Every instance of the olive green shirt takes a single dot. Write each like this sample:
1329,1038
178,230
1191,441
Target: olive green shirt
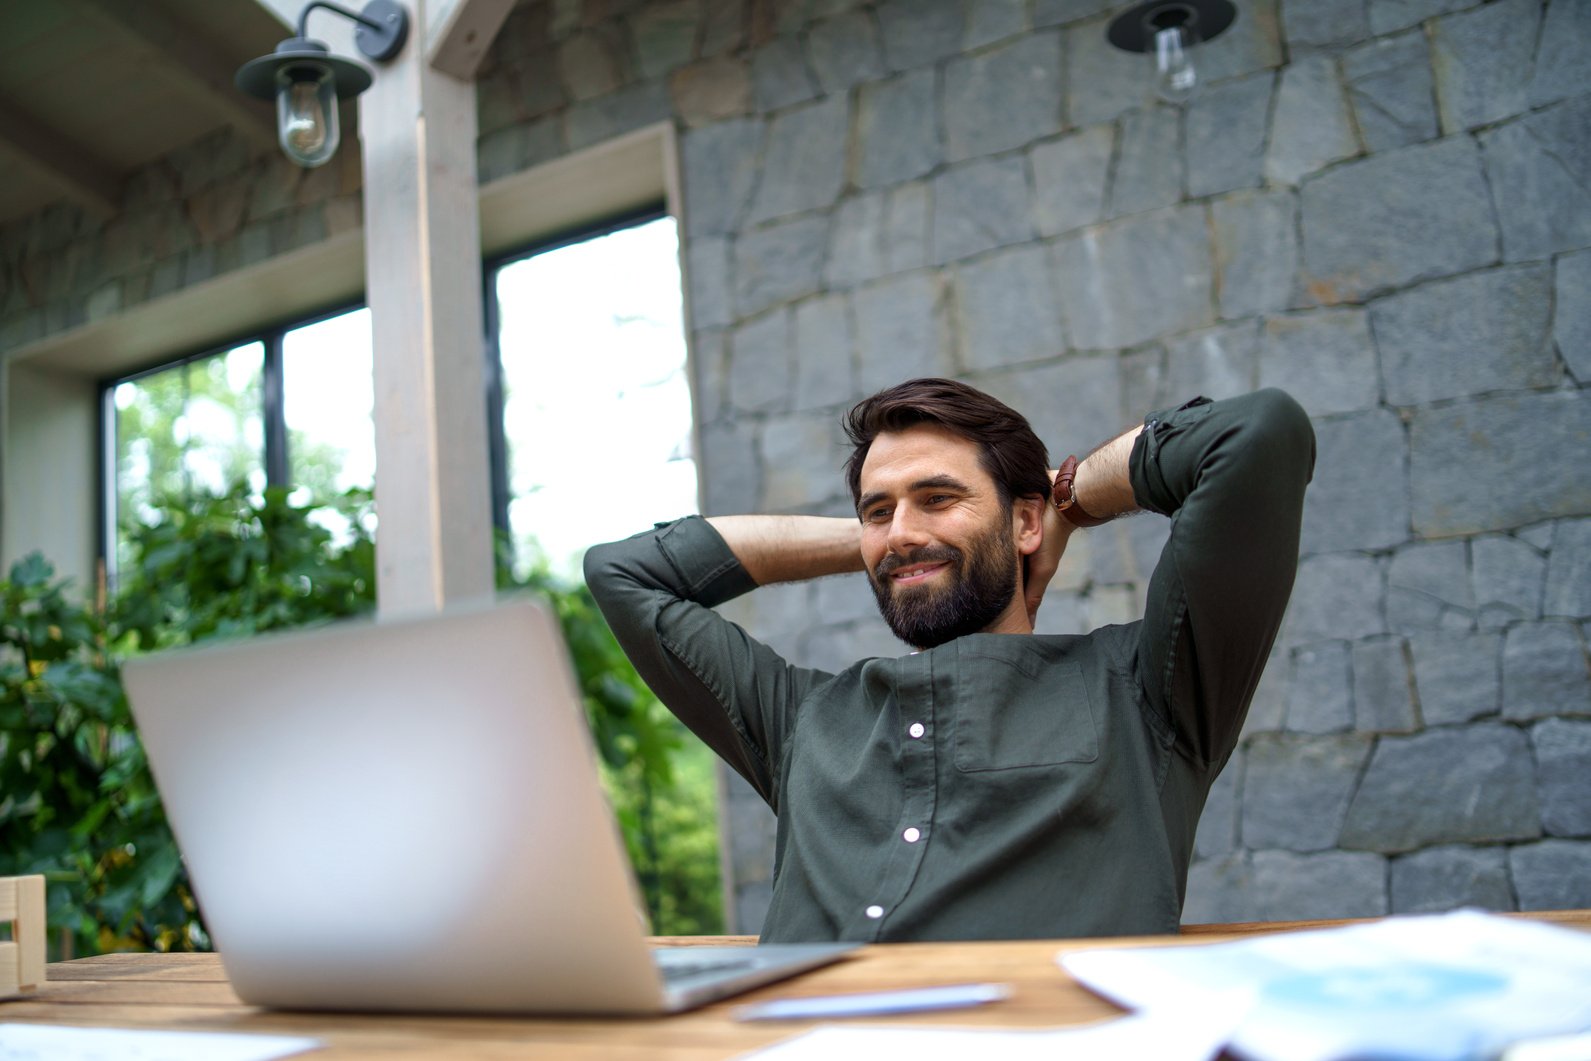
1000,785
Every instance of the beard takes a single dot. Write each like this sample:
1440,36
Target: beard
982,581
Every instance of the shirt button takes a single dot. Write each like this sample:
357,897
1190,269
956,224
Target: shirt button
912,835
916,730
875,912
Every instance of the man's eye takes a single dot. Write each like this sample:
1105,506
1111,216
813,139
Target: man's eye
938,499
876,515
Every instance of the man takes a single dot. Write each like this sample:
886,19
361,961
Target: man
995,783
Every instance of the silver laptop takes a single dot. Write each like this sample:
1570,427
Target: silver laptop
406,815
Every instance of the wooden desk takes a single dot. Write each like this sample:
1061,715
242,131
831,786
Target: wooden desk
190,992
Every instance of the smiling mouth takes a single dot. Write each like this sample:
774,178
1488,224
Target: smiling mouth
910,574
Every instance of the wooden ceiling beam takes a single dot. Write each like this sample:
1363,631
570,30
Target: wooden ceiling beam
63,163
460,37
191,62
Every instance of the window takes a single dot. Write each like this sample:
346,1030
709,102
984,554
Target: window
288,408
596,407
592,421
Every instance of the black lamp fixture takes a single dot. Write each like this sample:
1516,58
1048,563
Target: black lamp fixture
306,80
1169,29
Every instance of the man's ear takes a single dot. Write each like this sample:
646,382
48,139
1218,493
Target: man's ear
1027,524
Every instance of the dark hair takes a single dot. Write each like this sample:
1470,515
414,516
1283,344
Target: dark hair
1008,449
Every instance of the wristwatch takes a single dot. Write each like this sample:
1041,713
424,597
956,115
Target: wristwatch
1066,499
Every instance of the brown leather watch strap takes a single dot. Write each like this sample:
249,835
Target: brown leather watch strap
1066,499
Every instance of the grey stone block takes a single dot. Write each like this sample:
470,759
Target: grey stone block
1071,402
1476,466
901,331
1351,451
1388,16
761,369
1563,764
1217,831
709,365
1149,167
1552,875
664,35
1457,676
805,161
897,130
1563,63
1296,790
1391,219
1289,887
1571,323
1540,168
1269,705
1428,587
1220,362
1003,98
1508,575
919,32
779,75
1482,59
590,64
723,27
1383,691
1310,127
720,164
1057,12
1320,695
1463,785
993,20
708,282
1324,23
979,206
858,238
1335,598
802,457
1545,671
711,90
730,476
844,599
1569,570
843,51
1069,178
1440,879
1167,253
1254,42
1389,82
780,262
1226,134
906,221
1102,82
1007,308
1218,891
1467,335
1325,357
824,366
1538,535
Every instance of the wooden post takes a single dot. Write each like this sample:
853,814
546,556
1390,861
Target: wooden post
423,278
22,959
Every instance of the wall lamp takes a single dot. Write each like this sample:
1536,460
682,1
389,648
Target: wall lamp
1169,29
306,80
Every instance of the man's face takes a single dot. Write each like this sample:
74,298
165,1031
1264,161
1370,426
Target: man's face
942,550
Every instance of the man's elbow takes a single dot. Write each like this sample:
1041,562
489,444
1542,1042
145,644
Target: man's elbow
1280,434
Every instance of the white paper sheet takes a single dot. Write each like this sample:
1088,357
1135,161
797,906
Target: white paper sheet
1448,987
51,1042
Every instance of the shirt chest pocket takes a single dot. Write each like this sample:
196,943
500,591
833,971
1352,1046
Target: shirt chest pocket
1011,716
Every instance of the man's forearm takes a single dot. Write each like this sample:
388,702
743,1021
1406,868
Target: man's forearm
792,548
1103,486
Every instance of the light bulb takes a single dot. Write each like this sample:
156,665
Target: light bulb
1175,77
306,113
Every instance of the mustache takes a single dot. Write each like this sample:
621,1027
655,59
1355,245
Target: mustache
928,554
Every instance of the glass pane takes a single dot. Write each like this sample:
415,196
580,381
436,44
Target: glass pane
193,427
596,400
328,403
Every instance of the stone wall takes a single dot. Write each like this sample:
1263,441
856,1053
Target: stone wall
1380,205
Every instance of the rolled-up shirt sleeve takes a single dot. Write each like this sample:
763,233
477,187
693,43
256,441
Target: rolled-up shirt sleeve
1230,475
657,591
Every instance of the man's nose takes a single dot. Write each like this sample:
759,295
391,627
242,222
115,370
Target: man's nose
907,530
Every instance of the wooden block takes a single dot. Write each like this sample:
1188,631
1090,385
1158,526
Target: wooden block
22,959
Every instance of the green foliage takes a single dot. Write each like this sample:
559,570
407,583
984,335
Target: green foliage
78,802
